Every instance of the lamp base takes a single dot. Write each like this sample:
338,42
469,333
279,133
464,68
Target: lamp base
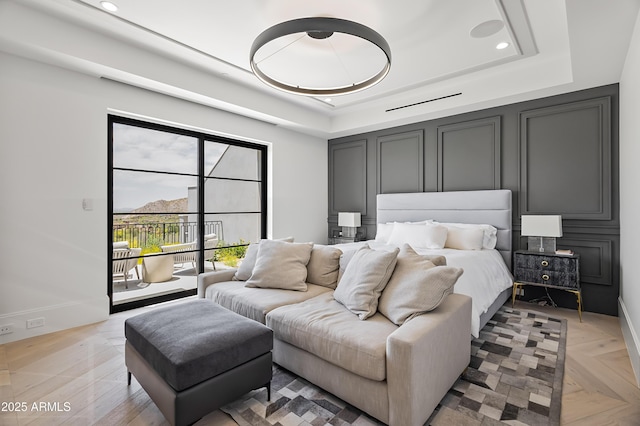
349,231
542,244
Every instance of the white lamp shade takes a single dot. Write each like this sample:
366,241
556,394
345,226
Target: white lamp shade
541,226
349,219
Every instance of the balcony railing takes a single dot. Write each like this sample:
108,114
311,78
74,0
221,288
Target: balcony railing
163,233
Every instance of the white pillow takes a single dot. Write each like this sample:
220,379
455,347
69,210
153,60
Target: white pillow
428,236
245,269
490,237
383,232
464,238
281,265
364,279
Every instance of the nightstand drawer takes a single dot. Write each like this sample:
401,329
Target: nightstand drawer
544,263
564,278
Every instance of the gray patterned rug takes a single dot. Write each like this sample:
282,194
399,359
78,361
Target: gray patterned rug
514,378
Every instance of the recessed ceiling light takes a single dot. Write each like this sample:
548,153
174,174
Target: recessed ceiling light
107,5
502,45
327,99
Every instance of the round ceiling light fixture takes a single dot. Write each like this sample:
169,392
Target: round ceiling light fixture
304,56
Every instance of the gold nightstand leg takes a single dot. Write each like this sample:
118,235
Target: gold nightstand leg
514,293
579,296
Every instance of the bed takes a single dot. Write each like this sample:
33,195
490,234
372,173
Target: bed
487,278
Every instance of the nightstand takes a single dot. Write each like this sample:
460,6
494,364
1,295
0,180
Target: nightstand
547,270
341,240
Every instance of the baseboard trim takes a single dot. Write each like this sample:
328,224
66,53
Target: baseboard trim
56,317
630,338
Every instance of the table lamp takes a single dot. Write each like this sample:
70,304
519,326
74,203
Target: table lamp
542,231
349,222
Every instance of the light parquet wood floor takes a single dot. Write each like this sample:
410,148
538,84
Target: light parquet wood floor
78,377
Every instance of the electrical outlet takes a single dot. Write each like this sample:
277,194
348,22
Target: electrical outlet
6,329
35,322
521,291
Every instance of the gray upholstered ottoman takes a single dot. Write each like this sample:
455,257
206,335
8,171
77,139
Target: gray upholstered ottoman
194,357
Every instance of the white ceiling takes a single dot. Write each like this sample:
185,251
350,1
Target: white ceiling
555,46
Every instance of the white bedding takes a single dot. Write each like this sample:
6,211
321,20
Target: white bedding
485,275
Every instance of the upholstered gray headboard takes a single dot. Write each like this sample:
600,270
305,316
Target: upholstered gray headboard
492,207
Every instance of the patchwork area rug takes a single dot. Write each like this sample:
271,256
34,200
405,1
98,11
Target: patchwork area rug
514,378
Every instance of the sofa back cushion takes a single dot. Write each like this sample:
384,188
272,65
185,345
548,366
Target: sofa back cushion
281,265
416,286
245,269
323,266
363,280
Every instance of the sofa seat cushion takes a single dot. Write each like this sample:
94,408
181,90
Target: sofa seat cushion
255,303
325,328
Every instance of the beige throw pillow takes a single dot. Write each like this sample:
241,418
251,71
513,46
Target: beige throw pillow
281,265
245,269
324,266
363,280
417,286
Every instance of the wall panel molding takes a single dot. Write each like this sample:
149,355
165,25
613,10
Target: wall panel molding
565,153
348,163
595,258
400,162
469,154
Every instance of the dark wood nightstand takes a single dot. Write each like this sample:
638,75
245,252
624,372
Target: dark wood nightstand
342,240
547,270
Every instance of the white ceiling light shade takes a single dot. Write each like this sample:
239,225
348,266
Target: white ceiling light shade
107,5
320,56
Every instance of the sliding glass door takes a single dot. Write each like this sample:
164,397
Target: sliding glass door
181,203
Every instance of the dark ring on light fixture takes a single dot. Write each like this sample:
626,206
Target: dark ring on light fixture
321,25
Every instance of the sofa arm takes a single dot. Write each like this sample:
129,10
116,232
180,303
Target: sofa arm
425,356
207,278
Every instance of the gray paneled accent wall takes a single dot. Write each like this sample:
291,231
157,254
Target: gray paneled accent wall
559,155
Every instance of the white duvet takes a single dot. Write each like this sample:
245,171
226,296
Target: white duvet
485,275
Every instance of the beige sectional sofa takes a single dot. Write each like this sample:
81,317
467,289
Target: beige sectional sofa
397,374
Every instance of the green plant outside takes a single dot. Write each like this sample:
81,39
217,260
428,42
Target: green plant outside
231,254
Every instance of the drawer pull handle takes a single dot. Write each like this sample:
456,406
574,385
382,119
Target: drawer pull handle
545,277
544,263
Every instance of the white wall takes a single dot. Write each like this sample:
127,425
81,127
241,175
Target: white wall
53,153
630,200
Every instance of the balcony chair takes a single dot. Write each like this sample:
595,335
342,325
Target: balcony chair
184,253
124,260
